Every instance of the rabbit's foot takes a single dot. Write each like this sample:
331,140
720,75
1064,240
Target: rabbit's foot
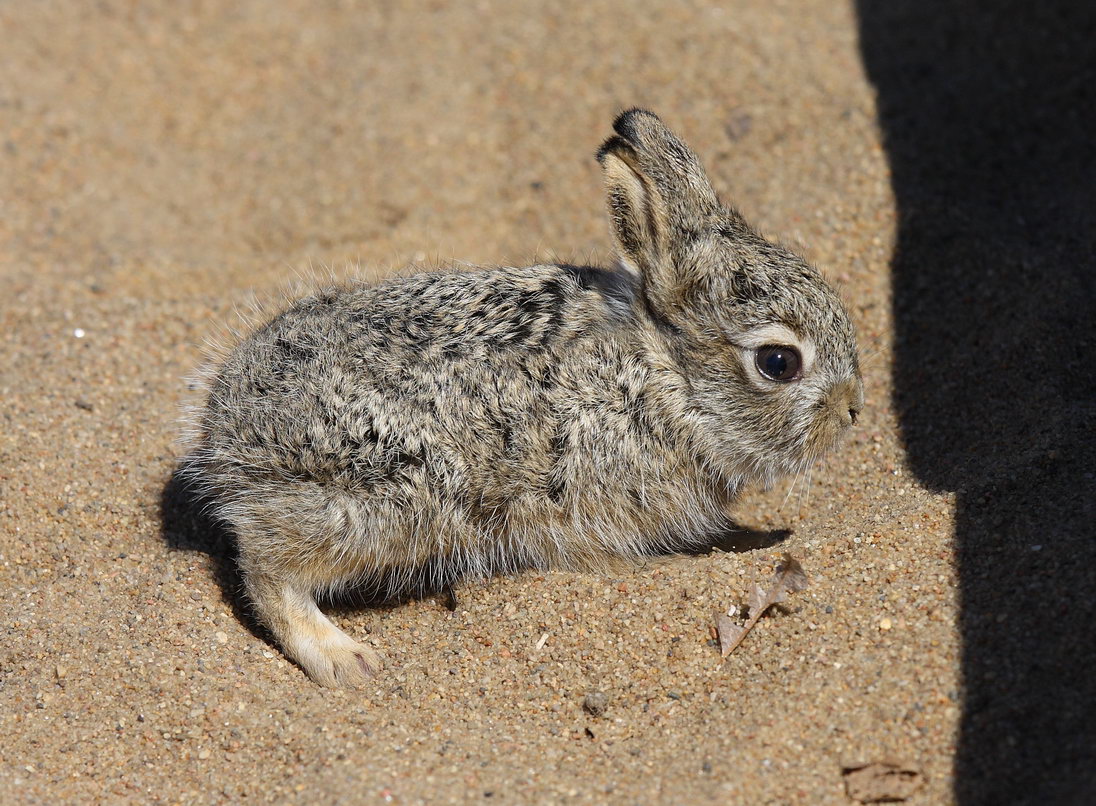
338,660
326,653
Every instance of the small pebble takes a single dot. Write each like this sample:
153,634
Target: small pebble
885,624
222,637
595,703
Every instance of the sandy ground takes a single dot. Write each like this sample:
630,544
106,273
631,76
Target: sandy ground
162,164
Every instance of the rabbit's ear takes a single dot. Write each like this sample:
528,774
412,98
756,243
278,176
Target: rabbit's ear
669,163
659,199
637,214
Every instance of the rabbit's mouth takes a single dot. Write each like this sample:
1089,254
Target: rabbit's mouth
837,412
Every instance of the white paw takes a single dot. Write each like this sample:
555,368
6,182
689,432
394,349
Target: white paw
337,661
329,655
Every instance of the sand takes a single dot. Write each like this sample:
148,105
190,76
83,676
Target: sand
162,165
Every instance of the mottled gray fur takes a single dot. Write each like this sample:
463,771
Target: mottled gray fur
460,424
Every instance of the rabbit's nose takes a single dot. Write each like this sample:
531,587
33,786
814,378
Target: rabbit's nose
850,400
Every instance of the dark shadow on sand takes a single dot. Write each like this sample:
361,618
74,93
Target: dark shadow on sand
988,111
187,524
738,539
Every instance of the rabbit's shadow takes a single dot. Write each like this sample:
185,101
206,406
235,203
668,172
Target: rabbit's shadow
736,538
188,524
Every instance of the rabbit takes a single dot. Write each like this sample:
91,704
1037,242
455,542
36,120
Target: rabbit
461,424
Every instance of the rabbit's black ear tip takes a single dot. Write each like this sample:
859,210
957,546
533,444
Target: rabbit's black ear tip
617,146
625,122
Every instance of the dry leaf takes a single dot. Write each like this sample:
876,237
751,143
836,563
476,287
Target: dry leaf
881,782
730,634
789,577
757,601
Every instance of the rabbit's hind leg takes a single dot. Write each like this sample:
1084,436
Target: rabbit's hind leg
326,653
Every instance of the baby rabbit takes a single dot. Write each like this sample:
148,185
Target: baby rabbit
456,424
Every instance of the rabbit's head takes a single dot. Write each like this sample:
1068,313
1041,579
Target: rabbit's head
765,348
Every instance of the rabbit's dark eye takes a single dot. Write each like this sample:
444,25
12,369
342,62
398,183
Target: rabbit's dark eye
778,363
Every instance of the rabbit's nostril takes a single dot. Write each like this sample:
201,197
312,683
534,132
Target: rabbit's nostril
852,415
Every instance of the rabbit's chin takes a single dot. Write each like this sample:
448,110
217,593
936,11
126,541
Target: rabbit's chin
760,472
814,451
766,471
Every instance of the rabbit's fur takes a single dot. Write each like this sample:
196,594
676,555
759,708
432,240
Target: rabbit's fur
462,424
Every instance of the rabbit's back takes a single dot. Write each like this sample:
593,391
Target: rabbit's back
429,375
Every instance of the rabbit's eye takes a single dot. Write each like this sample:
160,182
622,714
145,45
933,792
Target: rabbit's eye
778,363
